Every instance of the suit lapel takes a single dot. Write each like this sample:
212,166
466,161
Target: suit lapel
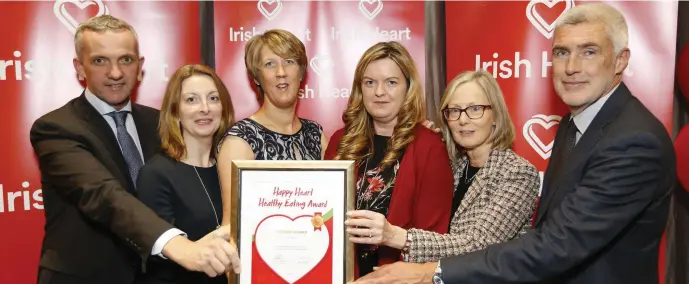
553,170
146,128
100,128
561,171
556,155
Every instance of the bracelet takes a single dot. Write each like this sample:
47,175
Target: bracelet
407,243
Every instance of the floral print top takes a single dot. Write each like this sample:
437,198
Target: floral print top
374,188
305,144
374,191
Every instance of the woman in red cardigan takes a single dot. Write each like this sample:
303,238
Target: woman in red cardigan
403,169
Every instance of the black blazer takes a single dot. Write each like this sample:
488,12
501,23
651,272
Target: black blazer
96,230
602,212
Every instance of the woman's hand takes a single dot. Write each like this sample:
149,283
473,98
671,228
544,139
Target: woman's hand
431,126
368,227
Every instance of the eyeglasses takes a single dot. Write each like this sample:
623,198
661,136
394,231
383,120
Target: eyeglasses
473,112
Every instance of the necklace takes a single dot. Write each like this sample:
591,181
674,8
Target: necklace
215,213
466,173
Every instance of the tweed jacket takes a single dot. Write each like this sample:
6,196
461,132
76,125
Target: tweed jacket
497,207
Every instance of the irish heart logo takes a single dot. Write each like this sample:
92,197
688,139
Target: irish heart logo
322,64
290,246
534,140
371,8
269,8
68,20
545,27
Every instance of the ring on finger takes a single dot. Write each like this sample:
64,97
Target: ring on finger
370,234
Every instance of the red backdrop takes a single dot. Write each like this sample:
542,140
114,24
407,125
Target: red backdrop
36,73
515,36
513,43
36,76
335,33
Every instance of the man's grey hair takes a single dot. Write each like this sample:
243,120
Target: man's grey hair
101,24
615,24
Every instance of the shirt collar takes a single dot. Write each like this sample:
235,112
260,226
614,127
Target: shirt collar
102,107
584,119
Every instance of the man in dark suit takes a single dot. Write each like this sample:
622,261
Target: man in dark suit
606,191
90,151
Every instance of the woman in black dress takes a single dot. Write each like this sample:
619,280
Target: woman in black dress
181,185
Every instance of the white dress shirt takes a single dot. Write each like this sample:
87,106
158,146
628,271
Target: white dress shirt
584,118
104,108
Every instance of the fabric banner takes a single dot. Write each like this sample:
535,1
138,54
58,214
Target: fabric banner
37,76
335,34
516,50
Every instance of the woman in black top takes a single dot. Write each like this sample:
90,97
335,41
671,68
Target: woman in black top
181,185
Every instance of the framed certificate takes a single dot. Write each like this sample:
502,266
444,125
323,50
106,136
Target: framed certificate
288,220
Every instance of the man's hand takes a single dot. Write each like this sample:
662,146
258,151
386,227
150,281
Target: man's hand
214,254
430,125
401,273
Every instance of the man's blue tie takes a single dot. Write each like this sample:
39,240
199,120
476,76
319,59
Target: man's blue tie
129,150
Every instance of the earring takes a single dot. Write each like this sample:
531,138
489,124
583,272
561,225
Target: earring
80,78
139,77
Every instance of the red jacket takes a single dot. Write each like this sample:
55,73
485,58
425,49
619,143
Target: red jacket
423,192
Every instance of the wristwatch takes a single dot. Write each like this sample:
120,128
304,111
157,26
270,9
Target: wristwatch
438,275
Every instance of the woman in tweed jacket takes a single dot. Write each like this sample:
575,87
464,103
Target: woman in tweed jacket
495,189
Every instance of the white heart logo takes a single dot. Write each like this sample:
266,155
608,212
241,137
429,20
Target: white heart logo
537,20
270,9
67,19
291,247
322,64
371,8
536,143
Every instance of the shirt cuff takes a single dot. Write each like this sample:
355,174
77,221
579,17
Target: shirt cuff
163,239
438,277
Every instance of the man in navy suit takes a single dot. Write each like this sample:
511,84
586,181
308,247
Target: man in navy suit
89,153
606,192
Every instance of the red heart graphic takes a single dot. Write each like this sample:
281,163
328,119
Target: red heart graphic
262,273
370,7
309,249
546,135
549,15
79,14
269,7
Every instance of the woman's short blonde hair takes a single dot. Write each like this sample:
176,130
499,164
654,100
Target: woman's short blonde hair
357,142
169,128
283,43
503,135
